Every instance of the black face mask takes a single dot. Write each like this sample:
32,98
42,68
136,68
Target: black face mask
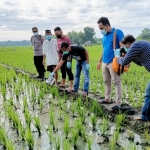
58,36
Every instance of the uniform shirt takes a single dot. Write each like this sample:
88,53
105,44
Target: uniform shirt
77,52
38,44
50,50
139,53
59,41
108,52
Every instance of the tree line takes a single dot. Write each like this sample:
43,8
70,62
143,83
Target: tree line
88,34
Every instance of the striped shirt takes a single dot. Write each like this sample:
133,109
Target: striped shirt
139,53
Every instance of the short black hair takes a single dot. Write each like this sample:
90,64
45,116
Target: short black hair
47,31
34,29
64,44
128,38
57,29
104,21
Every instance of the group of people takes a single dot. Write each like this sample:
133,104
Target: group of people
59,54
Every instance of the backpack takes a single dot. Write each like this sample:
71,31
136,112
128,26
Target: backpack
115,66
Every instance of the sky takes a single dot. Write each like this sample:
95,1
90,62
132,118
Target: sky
17,17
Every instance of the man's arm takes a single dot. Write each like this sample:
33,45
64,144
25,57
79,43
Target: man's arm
132,55
44,56
87,56
58,66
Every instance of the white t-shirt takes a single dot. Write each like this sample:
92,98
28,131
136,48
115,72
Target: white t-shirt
50,50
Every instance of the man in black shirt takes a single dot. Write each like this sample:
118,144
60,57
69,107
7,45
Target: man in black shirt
81,56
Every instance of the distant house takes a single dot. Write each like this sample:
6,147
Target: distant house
88,43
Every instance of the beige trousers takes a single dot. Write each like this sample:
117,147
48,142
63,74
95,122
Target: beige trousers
108,76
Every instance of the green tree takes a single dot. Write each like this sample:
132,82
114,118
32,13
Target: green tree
145,34
89,33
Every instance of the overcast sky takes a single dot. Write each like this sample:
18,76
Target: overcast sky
17,17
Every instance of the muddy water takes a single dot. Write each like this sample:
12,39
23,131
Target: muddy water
43,142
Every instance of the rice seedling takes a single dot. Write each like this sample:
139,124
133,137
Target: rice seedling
52,120
83,133
27,117
147,137
75,135
66,145
60,103
3,137
22,131
29,139
25,104
94,121
57,142
66,126
89,143
3,91
60,115
104,126
33,99
79,102
119,120
9,145
78,125
82,114
49,132
41,106
37,124
73,109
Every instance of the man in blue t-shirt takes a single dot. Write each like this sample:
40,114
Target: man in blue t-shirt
107,58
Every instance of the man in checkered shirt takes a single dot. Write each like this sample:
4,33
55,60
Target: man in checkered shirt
139,53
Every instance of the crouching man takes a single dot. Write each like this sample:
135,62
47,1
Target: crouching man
82,63
139,53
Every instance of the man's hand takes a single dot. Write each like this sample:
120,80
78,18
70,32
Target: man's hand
98,65
52,75
87,66
68,64
117,52
43,62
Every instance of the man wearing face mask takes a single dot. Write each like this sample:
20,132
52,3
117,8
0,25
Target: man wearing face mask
81,56
106,61
37,42
66,67
139,53
50,53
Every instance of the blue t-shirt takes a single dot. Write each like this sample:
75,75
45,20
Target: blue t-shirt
108,52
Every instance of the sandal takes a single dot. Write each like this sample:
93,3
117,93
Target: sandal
70,89
105,102
84,94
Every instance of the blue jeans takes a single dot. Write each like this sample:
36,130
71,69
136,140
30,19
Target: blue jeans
146,108
81,66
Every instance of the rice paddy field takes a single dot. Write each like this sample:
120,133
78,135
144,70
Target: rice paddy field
37,116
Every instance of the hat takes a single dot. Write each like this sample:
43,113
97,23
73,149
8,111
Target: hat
34,29
128,38
47,31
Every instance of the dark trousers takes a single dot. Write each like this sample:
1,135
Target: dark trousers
64,69
38,64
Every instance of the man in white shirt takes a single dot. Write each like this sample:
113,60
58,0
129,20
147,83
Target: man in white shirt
50,53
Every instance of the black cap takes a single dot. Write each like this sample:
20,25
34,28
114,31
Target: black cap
34,29
57,28
128,38
47,31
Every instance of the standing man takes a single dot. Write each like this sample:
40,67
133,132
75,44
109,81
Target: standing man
37,41
106,61
50,53
139,53
81,56
62,38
